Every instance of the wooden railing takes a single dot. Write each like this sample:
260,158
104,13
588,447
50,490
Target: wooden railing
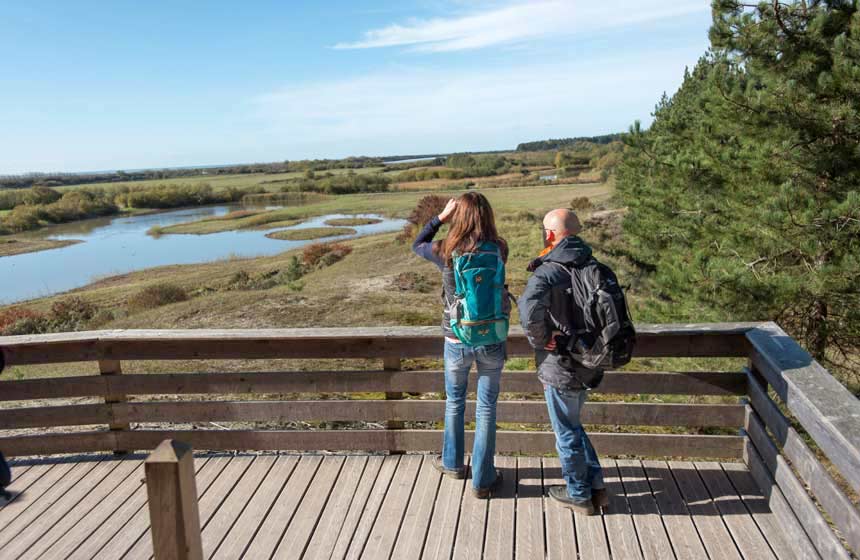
799,488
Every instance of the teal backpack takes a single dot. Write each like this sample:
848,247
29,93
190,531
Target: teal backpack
481,308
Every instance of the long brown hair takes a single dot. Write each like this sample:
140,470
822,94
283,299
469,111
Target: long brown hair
473,223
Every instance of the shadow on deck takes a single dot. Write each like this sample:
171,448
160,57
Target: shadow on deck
396,506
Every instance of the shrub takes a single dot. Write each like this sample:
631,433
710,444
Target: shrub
581,203
324,254
10,318
411,282
427,208
156,295
71,314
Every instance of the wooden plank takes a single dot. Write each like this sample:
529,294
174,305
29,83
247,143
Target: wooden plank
775,527
472,526
22,519
127,528
328,528
69,415
637,414
614,382
416,520
300,530
208,503
499,541
384,534
822,405
693,340
49,444
446,514
676,518
216,529
23,478
389,364
620,531
713,532
529,521
646,516
560,530
34,492
745,533
774,470
372,507
655,445
110,369
366,486
833,500
243,531
85,512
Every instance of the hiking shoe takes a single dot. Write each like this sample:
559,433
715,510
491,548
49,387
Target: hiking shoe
458,474
485,493
599,498
560,495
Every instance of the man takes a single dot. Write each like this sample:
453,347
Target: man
546,311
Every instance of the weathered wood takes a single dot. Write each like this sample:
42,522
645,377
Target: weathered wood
74,442
529,521
337,508
359,503
778,484
646,516
299,531
833,500
39,416
172,493
708,340
659,383
215,530
239,537
823,406
618,521
416,520
716,538
372,507
499,540
737,518
635,414
110,369
66,513
560,530
35,492
392,363
282,512
673,511
443,525
382,537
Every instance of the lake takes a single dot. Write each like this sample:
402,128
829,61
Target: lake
112,246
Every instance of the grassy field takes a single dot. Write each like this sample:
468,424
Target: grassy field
12,245
310,233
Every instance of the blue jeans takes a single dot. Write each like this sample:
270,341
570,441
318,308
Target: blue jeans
580,467
458,361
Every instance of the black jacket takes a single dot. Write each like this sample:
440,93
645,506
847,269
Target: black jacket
545,306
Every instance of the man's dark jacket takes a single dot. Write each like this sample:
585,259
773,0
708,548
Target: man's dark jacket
545,306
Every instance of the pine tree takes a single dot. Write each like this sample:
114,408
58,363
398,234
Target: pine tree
745,192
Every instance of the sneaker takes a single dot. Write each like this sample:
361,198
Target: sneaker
599,498
484,493
458,474
560,495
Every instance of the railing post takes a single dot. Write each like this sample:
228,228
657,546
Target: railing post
392,363
173,513
109,368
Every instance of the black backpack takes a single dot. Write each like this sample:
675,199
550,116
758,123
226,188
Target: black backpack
602,335
5,477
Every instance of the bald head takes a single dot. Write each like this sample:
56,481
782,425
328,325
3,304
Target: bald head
562,222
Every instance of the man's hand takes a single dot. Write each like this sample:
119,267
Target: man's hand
551,345
449,209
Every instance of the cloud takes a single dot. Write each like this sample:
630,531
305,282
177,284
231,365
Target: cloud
408,109
522,22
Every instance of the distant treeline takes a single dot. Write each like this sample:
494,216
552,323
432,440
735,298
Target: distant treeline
63,179
566,143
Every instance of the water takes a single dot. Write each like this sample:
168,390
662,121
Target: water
112,246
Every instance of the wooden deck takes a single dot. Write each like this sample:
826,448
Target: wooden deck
395,506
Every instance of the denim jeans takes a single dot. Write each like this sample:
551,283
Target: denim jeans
580,467
458,361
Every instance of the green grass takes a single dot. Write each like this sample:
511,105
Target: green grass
309,233
350,222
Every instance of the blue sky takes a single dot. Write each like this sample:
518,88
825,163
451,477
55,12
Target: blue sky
123,85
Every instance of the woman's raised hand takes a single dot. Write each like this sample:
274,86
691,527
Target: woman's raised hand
449,209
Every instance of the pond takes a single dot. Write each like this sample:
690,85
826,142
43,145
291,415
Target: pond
112,246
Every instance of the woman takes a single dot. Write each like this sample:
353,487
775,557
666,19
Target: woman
472,227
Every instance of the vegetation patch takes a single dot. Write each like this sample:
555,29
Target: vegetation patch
309,233
351,222
17,246
324,254
412,282
71,314
156,295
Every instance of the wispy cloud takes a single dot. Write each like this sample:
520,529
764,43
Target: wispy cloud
520,22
